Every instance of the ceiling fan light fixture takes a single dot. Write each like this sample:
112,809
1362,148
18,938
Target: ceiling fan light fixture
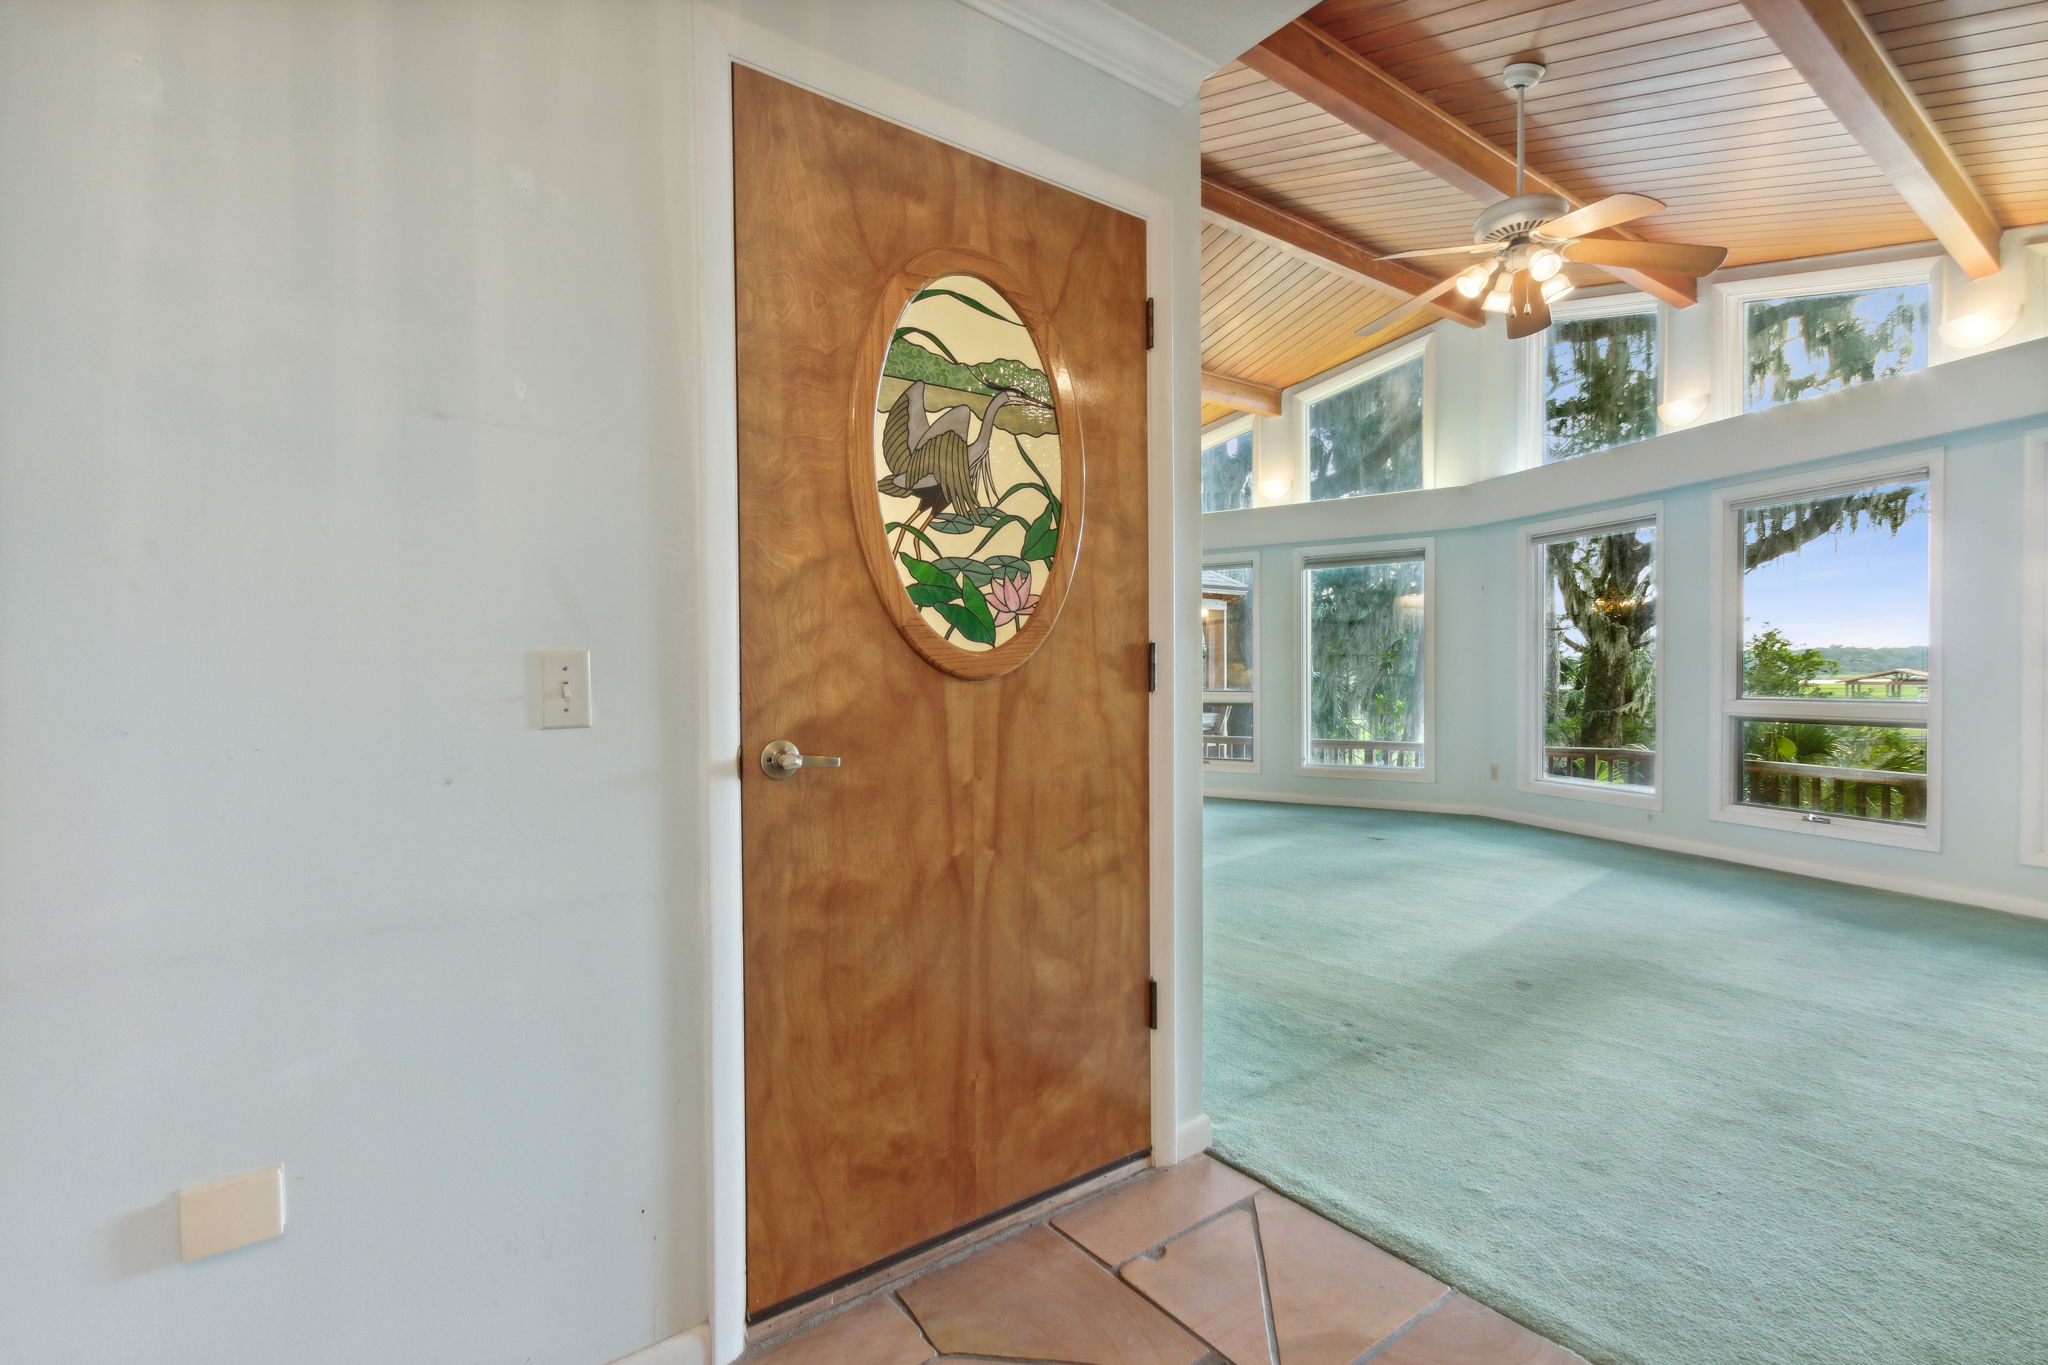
1498,301
1472,280
1545,263
1555,288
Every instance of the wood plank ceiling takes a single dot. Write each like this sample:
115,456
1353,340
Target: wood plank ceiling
1685,100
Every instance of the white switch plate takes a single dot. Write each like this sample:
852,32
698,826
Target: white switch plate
234,1211
564,689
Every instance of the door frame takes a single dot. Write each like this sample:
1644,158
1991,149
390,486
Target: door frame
702,122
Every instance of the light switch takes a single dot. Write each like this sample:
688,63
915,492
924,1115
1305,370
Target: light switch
234,1211
564,689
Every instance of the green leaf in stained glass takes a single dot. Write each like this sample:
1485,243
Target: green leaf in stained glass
931,594
973,569
1042,537
926,572
978,629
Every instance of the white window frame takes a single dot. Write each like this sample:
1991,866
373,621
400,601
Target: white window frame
1731,708
1249,697
2034,654
1734,297
1362,552
1368,367
1573,310
1218,433
1530,776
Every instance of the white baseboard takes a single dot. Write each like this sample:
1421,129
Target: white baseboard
684,1348
1190,1139
1876,881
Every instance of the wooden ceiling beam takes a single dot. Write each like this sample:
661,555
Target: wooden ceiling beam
1240,394
1831,44
1323,71
1299,237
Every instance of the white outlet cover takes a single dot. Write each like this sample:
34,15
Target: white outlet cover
231,1212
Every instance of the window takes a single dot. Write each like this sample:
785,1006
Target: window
1368,435
1227,468
1831,663
1598,380
1366,636
1595,654
1229,698
1798,345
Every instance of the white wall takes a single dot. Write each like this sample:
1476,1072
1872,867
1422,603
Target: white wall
345,359
1979,410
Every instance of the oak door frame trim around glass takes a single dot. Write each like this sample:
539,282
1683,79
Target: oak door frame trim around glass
1341,553
1731,708
1240,559
2033,848
1531,420
1350,375
1733,297
1529,774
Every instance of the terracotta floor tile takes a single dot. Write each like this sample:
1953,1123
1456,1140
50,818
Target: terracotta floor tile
1034,1297
1334,1296
876,1333
1138,1216
1466,1333
1209,1279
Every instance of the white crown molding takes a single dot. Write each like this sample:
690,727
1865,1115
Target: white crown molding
1108,40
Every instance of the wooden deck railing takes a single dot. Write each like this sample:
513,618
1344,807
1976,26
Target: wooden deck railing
1364,753
1619,767
1236,748
1859,793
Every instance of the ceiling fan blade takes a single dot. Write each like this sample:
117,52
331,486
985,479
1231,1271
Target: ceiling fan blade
1612,211
1408,309
1470,249
1528,313
1671,257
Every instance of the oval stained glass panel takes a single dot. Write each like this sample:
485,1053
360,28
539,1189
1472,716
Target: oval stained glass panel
967,465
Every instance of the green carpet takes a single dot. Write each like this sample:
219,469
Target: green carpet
1666,1111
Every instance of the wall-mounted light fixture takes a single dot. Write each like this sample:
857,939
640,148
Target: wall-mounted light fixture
1276,488
1683,412
1981,328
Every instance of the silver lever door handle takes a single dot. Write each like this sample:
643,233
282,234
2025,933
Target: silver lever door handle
783,759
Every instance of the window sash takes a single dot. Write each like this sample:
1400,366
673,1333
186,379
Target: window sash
1536,681
1307,564
1731,709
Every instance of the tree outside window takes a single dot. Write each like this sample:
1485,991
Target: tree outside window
1368,438
1365,663
1599,656
1812,344
1599,383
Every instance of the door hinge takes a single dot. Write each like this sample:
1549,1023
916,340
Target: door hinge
1152,666
1151,1003
1148,324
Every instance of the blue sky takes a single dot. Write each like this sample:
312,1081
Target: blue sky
1864,587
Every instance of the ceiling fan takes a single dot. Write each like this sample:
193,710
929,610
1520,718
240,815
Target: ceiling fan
1525,241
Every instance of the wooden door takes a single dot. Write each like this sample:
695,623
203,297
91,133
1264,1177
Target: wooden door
946,938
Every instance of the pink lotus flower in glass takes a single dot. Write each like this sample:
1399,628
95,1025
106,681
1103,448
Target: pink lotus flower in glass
1011,597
